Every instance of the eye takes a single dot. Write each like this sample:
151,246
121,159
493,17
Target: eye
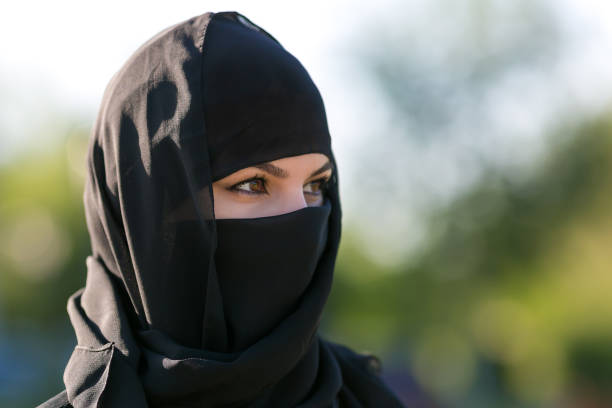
255,185
316,187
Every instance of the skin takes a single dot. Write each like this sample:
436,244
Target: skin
273,188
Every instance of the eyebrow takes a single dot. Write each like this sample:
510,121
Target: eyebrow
322,169
282,173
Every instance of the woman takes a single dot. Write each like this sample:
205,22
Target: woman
213,210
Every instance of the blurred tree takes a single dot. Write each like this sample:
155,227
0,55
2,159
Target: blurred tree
43,245
42,232
515,276
477,153
458,88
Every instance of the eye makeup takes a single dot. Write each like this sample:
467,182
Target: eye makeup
258,184
255,185
321,186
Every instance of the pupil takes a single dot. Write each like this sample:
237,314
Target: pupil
255,185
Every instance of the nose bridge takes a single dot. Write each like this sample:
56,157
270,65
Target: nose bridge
293,200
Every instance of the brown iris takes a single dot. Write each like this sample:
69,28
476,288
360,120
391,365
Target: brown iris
256,185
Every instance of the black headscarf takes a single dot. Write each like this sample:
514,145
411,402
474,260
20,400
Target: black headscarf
159,322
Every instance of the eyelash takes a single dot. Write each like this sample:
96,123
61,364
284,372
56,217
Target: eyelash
324,183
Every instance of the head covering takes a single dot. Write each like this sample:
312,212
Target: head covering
159,322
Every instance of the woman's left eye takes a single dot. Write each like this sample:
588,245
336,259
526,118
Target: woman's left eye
315,187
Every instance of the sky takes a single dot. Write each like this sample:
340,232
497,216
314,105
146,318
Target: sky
57,57
62,53
74,46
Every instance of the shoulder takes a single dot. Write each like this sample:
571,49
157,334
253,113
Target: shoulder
59,401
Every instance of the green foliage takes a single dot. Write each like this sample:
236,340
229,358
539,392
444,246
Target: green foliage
43,236
516,273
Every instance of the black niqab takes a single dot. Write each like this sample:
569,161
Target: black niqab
163,320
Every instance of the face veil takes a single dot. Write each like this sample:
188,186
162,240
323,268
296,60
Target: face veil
158,322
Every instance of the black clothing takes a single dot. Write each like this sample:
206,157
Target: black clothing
168,317
264,267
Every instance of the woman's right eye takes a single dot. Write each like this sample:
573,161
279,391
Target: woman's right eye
252,186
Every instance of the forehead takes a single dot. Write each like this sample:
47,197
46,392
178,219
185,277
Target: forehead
308,159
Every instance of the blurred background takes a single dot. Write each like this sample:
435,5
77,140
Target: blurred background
474,141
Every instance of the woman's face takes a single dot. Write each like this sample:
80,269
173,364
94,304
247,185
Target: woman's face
273,188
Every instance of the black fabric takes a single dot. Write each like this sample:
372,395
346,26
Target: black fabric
253,87
265,266
164,319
